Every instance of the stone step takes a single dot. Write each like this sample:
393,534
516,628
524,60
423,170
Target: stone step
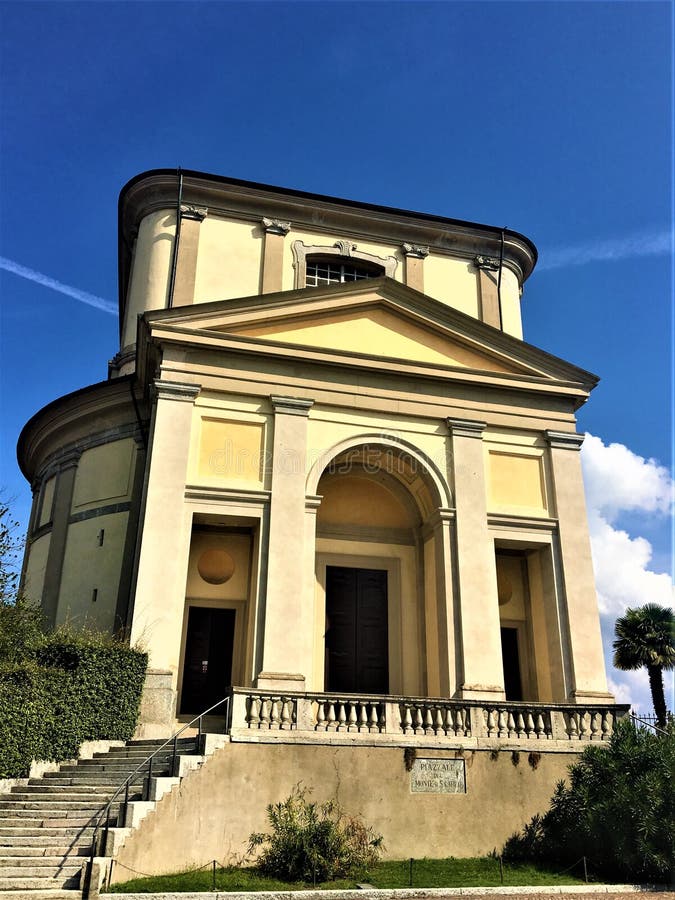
63,821
53,894
22,882
38,862
38,786
84,780
65,796
51,831
56,810
22,847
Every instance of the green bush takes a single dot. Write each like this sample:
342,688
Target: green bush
618,810
67,688
313,842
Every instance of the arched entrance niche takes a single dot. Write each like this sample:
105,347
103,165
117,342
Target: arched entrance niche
383,590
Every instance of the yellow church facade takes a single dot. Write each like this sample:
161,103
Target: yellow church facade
327,470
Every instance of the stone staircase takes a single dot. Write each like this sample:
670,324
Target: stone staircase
47,826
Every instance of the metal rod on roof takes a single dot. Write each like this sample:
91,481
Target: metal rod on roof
174,258
499,277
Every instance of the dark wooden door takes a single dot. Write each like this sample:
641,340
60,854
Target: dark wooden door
511,661
357,636
207,671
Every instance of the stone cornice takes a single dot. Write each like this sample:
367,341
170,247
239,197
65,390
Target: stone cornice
416,251
174,390
291,406
198,213
274,226
466,428
564,440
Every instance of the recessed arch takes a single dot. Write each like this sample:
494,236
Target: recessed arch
430,473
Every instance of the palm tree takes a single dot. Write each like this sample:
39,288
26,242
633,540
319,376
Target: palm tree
646,637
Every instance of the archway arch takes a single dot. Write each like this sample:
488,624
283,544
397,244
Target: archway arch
381,565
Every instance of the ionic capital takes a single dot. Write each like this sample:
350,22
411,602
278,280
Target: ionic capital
416,251
274,226
198,213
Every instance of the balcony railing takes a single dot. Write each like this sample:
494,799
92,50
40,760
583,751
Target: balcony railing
320,717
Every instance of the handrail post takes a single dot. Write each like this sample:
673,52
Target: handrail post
126,791
150,771
175,751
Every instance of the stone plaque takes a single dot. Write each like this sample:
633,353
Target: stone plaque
438,776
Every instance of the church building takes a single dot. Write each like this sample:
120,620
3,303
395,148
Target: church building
325,475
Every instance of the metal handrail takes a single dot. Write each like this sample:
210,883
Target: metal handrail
148,761
647,723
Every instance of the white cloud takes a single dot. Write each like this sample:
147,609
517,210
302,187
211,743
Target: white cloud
649,243
619,481
81,296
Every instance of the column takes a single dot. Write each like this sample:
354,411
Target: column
273,254
191,218
580,618
159,593
480,639
415,255
63,501
446,612
287,659
488,273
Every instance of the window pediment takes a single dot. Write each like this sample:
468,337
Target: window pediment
341,255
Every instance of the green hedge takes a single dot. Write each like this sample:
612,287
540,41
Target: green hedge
72,688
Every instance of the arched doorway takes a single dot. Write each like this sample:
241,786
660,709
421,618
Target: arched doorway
378,598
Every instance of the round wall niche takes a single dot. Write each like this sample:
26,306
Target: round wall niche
215,566
504,589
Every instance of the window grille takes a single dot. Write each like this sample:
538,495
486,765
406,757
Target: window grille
328,272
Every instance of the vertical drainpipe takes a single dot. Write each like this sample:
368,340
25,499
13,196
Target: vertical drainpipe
499,278
174,258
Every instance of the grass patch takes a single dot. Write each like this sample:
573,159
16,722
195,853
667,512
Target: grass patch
427,873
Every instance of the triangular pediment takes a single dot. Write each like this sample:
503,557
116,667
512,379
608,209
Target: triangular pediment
375,320
373,330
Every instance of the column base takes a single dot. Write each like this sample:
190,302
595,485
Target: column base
157,715
281,681
481,692
592,697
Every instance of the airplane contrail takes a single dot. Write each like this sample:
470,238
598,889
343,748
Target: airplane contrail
82,296
655,243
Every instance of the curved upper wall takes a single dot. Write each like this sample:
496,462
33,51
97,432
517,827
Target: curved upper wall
240,239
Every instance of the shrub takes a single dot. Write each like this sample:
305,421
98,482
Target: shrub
313,842
67,688
618,810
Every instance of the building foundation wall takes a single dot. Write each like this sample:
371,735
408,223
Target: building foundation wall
218,806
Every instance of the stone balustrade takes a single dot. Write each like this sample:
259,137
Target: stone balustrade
317,716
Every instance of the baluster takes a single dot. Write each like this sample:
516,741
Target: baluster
342,716
572,729
294,713
320,717
332,721
407,720
460,722
363,716
596,724
449,721
438,723
352,718
428,721
264,713
275,715
520,725
583,726
253,712
493,722
511,725
285,714
606,725
540,725
529,724
375,719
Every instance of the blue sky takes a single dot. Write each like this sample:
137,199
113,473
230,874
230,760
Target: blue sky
552,118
